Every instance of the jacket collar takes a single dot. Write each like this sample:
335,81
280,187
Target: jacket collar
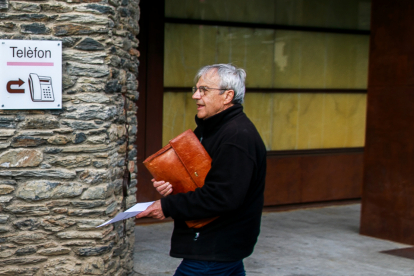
216,121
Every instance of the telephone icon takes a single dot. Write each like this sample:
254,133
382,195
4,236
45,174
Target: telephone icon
41,89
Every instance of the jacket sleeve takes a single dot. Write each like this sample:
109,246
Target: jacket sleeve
224,190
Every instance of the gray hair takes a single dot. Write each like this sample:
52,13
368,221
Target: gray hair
231,78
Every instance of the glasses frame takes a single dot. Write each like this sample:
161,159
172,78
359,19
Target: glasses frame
204,89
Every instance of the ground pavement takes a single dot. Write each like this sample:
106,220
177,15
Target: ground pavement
308,242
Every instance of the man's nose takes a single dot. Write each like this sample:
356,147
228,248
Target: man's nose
196,95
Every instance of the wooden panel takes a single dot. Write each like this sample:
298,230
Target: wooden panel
388,190
151,90
313,177
282,180
331,177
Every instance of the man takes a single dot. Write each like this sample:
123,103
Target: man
233,188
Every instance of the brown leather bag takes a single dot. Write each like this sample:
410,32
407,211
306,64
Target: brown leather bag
184,163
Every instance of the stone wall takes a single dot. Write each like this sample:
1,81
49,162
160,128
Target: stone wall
62,171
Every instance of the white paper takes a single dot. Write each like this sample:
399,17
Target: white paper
131,212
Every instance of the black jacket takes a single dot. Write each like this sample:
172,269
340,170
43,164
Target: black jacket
233,190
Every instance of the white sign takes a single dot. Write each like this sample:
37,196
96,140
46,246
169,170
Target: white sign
30,74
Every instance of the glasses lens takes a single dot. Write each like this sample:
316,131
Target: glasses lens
201,89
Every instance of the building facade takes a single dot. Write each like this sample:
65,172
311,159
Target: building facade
307,70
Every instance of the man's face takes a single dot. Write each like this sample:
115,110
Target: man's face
212,102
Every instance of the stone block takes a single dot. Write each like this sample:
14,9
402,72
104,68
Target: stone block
116,131
58,203
17,271
28,250
97,192
56,8
88,70
34,28
99,164
7,26
8,182
93,251
68,81
35,132
27,210
22,261
95,8
48,245
89,224
91,112
59,174
77,29
77,125
4,229
93,98
29,224
7,246
86,19
26,238
60,210
119,249
41,122
7,253
131,201
79,243
90,44
112,86
86,213
93,266
56,223
62,267
28,17
4,4
25,7
21,158
111,208
6,199
42,189
54,251
80,235
95,177
58,140
6,133
88,204
85,57
27,141
4,219
6,189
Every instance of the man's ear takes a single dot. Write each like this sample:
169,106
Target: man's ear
229,96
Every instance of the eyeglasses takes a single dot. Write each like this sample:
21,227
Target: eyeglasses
204,89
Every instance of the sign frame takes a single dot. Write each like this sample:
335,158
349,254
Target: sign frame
31,74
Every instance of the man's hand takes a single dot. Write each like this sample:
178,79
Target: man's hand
153,211
162,187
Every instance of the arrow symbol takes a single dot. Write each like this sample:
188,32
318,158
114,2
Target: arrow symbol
19,83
